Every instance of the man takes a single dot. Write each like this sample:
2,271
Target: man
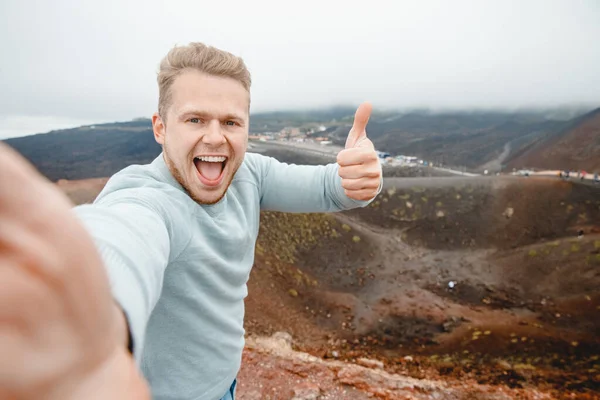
175,237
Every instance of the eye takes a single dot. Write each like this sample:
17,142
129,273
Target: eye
194,120
230,123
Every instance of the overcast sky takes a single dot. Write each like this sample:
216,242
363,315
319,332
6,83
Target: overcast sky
67,63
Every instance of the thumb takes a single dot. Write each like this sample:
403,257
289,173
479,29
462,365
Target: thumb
358,131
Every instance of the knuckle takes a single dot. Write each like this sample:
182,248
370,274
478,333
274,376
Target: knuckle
342,172
342,157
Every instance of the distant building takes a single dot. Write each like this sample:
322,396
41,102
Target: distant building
262,138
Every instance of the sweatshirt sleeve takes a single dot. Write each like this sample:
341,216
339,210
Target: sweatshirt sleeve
133,241
303,188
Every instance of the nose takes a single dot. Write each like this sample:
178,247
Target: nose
213,135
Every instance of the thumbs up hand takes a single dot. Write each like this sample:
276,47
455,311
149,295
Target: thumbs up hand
359,166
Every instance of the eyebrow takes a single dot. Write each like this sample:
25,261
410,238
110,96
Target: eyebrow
191,112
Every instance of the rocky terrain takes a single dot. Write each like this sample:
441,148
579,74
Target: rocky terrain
273,370
464,278
444,287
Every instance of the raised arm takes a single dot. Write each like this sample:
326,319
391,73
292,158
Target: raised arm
352,182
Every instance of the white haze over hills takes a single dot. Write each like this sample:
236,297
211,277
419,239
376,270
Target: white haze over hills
65,66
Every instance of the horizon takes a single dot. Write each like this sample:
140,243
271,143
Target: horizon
435,54
35,128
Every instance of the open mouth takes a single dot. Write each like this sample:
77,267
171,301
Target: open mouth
210,169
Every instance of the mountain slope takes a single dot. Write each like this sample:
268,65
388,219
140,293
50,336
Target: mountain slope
476,140
577,147
89,151
469,139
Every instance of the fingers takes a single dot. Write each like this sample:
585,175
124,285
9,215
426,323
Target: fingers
17,292
361,195
56,309
360,183
357,155
361,117
360,171
358,130
24,312
33,255
15,168
24,193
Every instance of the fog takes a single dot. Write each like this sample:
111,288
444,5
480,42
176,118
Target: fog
66,64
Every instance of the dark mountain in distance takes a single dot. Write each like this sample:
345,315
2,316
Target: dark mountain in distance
575,147
476,140
89,151
470,139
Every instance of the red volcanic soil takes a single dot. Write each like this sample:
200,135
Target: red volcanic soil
448,288
577,148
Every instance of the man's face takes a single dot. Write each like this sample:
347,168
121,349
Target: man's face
205,135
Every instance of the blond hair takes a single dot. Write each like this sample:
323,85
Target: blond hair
203,58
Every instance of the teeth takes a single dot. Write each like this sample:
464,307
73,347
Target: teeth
211,159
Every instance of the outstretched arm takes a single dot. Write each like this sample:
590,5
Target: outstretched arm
134,244
60,331
352,182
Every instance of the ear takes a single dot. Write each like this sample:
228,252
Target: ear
159,128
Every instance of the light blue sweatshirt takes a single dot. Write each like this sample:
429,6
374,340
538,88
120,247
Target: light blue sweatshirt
179,269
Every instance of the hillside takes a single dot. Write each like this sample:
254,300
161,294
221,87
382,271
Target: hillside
469,139
519,320
475,140
89,151
577,147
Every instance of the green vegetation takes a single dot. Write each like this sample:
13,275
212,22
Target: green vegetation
532,253
283,234
593,259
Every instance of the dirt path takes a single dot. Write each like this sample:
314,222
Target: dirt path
461,307
496,164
